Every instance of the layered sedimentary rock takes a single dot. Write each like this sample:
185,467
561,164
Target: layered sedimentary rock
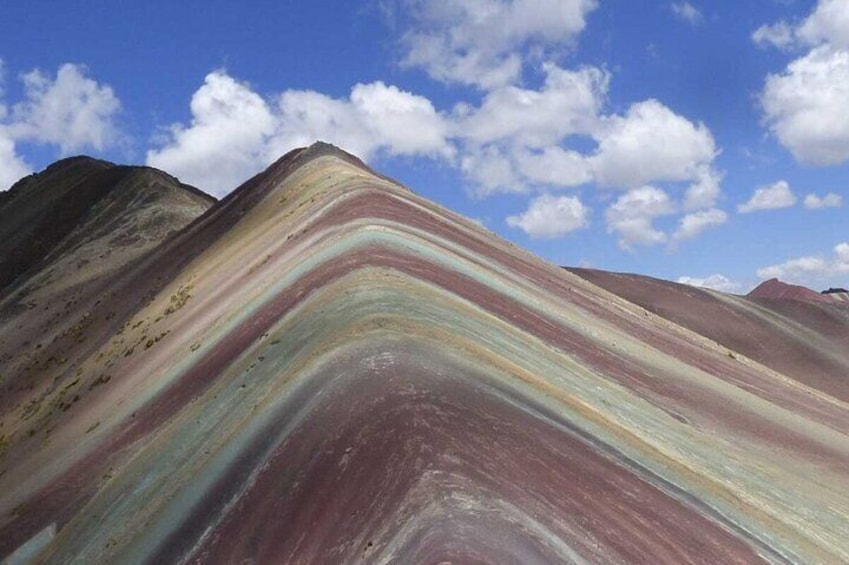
805,340
327,368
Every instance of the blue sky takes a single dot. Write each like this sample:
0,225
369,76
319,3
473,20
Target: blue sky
706,142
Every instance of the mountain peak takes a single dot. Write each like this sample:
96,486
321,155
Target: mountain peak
325,344
302,155
41,211
777,289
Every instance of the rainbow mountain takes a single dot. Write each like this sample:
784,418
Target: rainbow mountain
324,367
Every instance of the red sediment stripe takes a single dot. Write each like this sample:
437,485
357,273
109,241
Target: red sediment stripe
338,486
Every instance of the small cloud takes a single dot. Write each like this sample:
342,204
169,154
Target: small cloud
686,12
830,200
770,197
632,216
586,264
811,269
704,191
780,35
715,282
550,216
695,223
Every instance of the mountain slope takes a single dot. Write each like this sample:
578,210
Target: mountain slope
66,205
807,341
66,235
332,369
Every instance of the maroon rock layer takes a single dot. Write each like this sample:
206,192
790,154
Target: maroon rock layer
326,368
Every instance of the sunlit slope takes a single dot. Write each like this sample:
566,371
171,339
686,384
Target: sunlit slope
806,340
339,371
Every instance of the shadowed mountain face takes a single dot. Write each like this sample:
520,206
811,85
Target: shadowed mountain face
72,203
67,235
326,368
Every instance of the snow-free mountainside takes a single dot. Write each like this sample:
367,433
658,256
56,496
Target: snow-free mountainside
324,367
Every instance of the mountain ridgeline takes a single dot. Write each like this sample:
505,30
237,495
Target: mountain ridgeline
324,367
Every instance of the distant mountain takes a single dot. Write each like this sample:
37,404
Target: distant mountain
775,289
324,367
803,340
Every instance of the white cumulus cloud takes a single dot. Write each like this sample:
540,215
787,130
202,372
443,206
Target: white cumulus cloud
479,42
812,270
553,166
520,138
805,106
235,132
491,169
651,143
771,197
70,110
513,139
375,118
704,190
695,223
567,104
225,141
830,200
550,216
828,23
715,282
631,217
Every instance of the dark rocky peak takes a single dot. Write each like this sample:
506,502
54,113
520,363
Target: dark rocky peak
835,291
42,209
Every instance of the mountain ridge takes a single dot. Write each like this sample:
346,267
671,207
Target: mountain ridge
32,227
326,367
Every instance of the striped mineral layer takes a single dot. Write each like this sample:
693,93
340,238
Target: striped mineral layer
327,368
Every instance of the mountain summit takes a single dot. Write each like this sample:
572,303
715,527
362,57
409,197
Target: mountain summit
324,367
774,288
